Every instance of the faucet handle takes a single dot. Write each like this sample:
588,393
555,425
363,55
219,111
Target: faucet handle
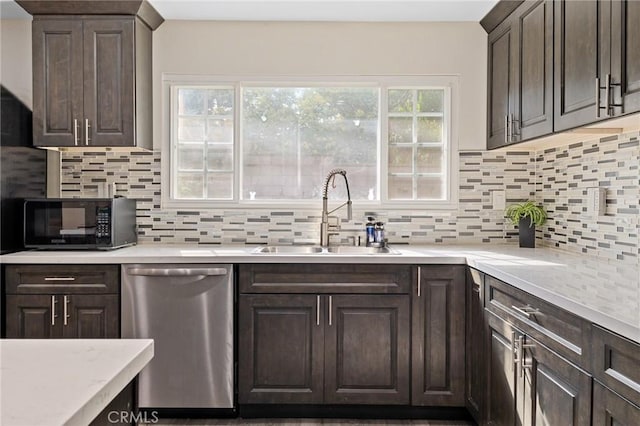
336,222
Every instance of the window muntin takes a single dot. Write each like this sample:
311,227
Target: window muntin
416,156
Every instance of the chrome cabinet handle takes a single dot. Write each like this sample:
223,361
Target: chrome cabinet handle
520,356
598,97
527,311
53,310
87,127
59,278
317,310
523,364
419,284
75,131
330,303
506,128
608,84
514,349
65,307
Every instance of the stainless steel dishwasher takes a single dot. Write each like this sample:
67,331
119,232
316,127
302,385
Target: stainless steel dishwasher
188,311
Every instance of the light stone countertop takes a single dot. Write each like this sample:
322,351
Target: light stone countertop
65,381
604,292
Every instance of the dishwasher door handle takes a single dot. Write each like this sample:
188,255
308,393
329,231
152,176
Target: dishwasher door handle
177,272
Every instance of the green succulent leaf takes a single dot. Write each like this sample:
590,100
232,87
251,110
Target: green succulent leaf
536,214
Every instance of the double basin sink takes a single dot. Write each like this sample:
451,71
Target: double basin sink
344,250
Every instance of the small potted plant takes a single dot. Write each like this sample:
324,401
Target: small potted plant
526,216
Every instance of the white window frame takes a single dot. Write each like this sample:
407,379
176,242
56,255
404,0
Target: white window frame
451,123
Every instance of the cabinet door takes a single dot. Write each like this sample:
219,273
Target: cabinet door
625,55
281,358
438,361
90,316
57,81
501,379
109,82
475,346
33,317
610,409
553,391
500,84
533,84
580,57
367,349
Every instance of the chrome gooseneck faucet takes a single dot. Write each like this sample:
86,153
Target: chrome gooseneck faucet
324,225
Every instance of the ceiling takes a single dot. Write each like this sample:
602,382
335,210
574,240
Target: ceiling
308,10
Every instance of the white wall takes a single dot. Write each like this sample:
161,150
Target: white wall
15,59
322,48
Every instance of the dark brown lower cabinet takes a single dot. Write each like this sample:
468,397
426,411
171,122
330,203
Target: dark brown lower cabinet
36,316
528,384
281,355
438,336
610,409
333,349
367,350
62,301
501,372
475,351
30,317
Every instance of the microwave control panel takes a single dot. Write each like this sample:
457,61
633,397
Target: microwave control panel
103,222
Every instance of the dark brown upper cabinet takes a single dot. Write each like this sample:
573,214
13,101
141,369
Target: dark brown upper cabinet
520,78
91,82
597,61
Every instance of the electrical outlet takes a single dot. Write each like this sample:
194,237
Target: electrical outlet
596,202
499,200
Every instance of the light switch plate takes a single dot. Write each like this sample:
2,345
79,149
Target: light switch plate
499,200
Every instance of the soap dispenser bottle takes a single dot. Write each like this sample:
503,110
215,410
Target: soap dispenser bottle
371,231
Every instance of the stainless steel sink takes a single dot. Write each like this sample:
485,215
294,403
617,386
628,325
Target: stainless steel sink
354,250
288,250
344,250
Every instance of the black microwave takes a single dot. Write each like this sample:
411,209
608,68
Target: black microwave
79,223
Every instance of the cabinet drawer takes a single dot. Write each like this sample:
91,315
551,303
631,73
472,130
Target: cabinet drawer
323,278
561,331
56,279
616,363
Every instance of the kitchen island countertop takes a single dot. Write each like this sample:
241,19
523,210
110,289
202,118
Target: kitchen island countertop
604,292
65,381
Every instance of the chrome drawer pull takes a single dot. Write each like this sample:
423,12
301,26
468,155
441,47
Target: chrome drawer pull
53,310
59,278
317,310
66,307
527,310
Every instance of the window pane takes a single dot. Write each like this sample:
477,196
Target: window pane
400,159
430,100
220,102
220,157
191,101
191,129
400,130
191,157
430,188
400,187
400,100
429,129
220,185
189,185
292,137
220,130
429,160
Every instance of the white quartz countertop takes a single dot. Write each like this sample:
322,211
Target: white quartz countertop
604,292
65,381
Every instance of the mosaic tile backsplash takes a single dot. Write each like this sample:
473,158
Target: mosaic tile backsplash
557,177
